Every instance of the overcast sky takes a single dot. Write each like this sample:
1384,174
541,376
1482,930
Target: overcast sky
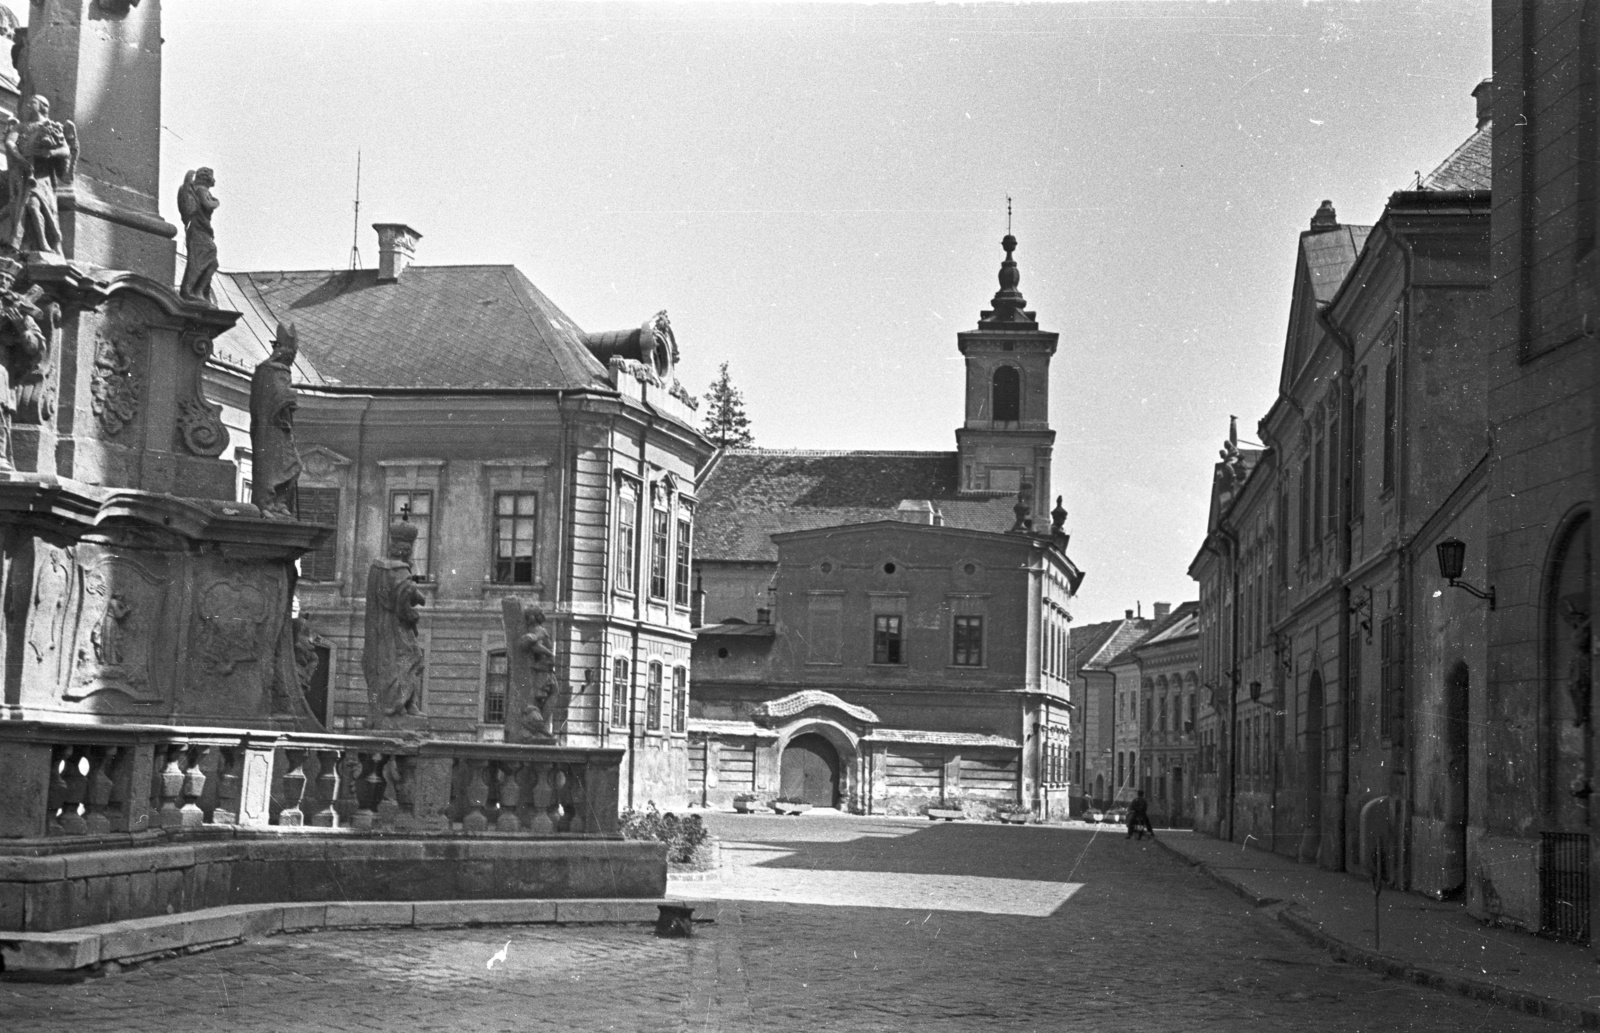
816,194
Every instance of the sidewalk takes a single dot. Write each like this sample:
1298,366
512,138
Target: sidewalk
1422,941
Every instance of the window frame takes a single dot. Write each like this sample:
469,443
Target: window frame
968,626
495,538
652,696
626,542
683,562
888,640
621,690
680,698
660,545
490,676
329,550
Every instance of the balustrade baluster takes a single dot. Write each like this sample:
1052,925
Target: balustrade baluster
561,812
577,799
328,781
190,815
399,810
169,786
369,789
56,795
509,796
476,795
97,804
226,811
74,773
543,798
294,789
349,778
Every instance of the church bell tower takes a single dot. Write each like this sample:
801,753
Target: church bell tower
1006,439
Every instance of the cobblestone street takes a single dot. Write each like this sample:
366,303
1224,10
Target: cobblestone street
826,923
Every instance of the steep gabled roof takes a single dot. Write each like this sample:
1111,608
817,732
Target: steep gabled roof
1469,166
460,327
1184,620
1104,642
748,495
1326,253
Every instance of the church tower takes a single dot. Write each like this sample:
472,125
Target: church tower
1006,439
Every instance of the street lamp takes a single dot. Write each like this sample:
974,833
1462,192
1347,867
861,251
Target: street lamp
1452,560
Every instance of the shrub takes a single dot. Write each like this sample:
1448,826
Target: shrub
682,835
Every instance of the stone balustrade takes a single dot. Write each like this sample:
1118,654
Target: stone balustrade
78,782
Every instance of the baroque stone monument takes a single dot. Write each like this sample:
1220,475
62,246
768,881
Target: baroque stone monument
392,659
195,205
531,692
276,461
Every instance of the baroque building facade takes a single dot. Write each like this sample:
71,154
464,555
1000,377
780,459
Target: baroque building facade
535,460
1436,407
889,631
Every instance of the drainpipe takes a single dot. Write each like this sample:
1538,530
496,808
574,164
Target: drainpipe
636,736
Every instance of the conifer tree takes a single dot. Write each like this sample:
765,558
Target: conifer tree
726,423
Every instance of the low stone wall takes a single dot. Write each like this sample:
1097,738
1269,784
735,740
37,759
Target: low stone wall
88,887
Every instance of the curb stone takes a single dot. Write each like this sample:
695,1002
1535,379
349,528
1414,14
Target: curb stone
1294,917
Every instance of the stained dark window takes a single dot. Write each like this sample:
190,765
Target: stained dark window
886,639
621,690
658,553
680,584
319,506
1358,460
1007,394
516,524
652,697
968,650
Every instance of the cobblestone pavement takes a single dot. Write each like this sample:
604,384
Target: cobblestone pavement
825,923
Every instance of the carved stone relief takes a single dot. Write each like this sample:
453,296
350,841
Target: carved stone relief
121,611
232,615
54,580
117,382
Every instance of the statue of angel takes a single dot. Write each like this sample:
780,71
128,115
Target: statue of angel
42,154
195,205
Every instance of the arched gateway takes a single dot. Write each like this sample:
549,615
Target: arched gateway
809,771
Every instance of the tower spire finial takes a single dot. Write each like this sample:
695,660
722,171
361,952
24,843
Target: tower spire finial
1008,215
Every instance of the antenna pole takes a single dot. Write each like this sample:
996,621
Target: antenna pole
355,232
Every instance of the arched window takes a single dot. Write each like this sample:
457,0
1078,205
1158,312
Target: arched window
1007,396
652,697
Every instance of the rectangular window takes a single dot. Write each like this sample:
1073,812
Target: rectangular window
1358,460
658,553
1283,538
1389,427
1352,715
621,692
627,539
1319,482
1390,687
1332,509
886,639
494,688
516,522
1305,507
652,697
968,651
319,506
416,508
680,584
680,699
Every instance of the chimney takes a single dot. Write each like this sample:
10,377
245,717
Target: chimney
763,615
1161,610
1127,615
397,242
1326,218
916,511
1483,93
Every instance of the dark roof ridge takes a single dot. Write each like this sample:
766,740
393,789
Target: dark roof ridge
417,265
914,453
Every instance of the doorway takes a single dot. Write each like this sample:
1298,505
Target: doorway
809,771
1311,839
1457,725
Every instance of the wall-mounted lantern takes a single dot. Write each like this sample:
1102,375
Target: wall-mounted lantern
1452,560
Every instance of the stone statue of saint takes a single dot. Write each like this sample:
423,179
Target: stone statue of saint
275,460
392,659
42,153
195,205
530,670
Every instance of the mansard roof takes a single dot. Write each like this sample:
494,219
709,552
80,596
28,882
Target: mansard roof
748,495
462,327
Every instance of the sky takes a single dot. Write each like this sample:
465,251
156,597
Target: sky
816,195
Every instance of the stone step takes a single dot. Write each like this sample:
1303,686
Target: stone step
138,939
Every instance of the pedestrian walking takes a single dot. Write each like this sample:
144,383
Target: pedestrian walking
1139,817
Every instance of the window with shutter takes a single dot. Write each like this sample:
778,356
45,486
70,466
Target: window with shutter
319,506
